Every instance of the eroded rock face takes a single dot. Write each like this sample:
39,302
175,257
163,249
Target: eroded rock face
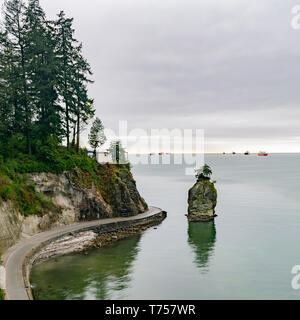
89,203
10,225
202,201
126,198
122,200
76,198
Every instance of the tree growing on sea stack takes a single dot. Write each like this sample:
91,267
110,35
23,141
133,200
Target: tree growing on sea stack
97,137
204,173
202,197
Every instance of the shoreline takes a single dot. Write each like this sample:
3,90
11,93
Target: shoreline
19,259
83,241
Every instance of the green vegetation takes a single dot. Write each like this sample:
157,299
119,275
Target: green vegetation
204,173
53,158
43,79
23,195
47,158
97,137
104,178
43,102
44,107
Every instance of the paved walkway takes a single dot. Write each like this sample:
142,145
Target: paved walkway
15,256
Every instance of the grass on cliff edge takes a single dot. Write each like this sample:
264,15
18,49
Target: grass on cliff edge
50,158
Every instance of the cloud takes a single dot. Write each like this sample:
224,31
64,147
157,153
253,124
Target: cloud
229,67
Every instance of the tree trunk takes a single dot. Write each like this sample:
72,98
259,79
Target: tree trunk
65,91
74,134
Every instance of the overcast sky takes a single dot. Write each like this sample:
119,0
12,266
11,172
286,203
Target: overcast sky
230,67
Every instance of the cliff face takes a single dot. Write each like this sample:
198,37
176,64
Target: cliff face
115,195
10,225
202,201
76,196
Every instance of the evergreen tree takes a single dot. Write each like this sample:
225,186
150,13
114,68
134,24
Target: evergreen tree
6,89
43,67
15,37
83,104
43,77
65,52
97,137
204,173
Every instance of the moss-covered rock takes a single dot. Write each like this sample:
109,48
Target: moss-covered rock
202,201
112,194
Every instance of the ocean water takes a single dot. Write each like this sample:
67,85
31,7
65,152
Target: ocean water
247,253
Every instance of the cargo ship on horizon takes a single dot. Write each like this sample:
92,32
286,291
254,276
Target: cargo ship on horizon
263,154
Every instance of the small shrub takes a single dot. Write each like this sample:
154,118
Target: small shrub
5,192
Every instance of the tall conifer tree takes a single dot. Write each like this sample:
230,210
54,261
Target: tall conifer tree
43,67
14,25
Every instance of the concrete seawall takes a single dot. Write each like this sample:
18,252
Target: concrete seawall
19,259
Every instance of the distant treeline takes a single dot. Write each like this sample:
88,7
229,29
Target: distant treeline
43,79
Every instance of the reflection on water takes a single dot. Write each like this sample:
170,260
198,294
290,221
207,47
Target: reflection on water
103,274
259,219
202,238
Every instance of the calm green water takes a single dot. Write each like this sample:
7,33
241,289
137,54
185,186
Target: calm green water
247,253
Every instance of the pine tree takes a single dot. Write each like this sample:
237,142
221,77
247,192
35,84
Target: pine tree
97,137
83,104
15,36
7,88
43,67
65,50
43,77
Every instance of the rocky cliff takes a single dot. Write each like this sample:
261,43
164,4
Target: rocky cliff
10,225
202,201
74,196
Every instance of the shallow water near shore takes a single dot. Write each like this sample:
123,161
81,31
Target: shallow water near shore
247,253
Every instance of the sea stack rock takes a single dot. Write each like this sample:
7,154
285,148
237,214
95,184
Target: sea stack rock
202,197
